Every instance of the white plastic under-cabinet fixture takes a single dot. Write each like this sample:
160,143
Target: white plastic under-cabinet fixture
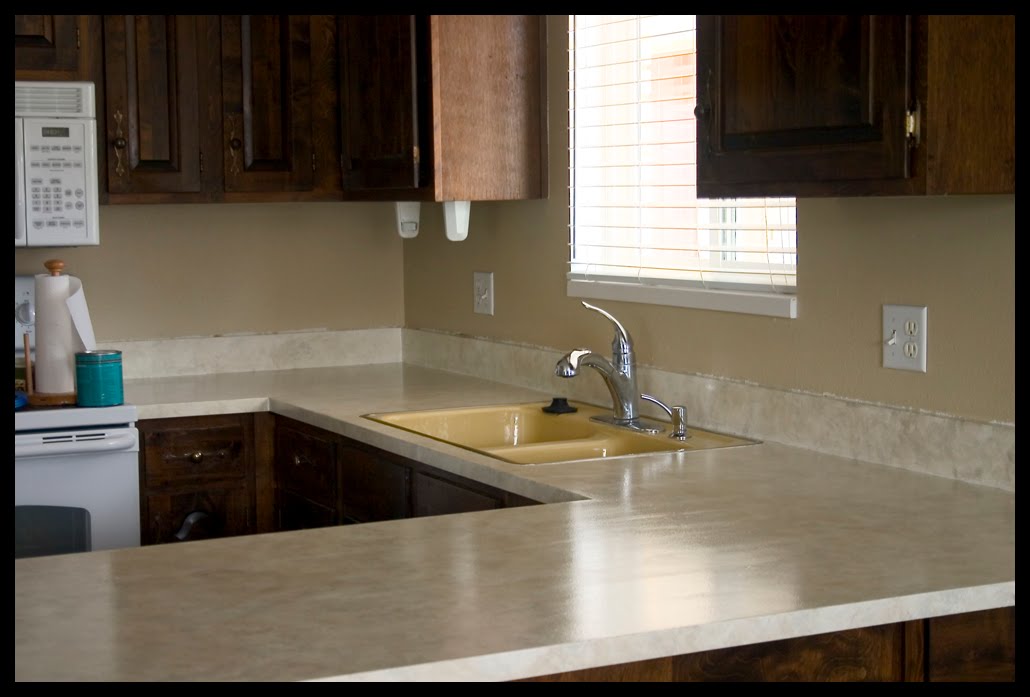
407,218
455,219
904,337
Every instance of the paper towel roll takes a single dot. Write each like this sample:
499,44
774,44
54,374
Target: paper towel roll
63,327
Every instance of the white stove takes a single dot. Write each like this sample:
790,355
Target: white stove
76,477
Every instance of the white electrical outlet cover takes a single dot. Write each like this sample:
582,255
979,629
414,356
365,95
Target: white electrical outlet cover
904,337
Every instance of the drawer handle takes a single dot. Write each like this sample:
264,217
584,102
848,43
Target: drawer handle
187,525
197,456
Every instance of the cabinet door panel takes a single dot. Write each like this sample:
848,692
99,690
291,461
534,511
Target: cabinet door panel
153,103
298,513
305,462
973,647
47,46
801,98
433,496
372,488
266,100
379,93
216,510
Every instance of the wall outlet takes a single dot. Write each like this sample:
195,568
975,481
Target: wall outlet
483,292
904,337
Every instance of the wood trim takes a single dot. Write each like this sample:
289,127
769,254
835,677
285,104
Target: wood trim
264,472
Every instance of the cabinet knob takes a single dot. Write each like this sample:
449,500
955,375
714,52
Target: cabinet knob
235,143
298,461
197,456
701,111
120,143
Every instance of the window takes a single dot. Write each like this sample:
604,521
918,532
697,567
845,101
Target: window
638,232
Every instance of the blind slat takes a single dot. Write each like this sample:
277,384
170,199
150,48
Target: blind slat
635,216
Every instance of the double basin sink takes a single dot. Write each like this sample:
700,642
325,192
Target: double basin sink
524,434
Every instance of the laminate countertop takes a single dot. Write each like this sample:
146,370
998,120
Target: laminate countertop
632,558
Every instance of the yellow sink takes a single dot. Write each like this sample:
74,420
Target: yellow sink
524,434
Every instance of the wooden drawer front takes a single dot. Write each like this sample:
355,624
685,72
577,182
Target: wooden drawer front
433,496
214,511
372,488
190,451
298,513
306,464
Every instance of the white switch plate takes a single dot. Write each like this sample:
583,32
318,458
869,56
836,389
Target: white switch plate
483,292
904,337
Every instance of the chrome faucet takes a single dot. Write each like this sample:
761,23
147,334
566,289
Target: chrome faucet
619,374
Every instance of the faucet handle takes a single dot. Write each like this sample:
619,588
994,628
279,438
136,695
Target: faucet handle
677,413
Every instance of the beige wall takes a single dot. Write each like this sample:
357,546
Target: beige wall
199,270
953,254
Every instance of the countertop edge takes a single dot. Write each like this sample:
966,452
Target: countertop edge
608,651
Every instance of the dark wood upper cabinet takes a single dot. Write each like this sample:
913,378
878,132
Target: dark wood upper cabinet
51,47
443,107
382,78
819,98
835,105
210,108
266,102
157,80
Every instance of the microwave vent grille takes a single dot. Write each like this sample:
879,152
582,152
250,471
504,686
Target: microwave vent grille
56,99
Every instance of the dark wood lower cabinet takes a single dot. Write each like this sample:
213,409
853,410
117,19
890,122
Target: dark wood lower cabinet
435,496
976,646
973,646
322,478
197,478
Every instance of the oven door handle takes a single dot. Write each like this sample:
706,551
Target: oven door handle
123,441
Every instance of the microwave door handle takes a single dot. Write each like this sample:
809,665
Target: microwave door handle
19,184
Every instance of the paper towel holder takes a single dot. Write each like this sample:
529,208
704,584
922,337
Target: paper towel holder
39,399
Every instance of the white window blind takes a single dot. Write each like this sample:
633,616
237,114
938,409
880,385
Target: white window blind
635,216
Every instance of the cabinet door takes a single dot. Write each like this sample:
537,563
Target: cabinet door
298,513
801,98
305,462
380,97
266,101
371,487
154,100
972,647
214,510
434,496
49,47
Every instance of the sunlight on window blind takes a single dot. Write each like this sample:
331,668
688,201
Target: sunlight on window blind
635,214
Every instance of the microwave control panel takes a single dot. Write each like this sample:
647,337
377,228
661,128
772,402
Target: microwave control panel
60,182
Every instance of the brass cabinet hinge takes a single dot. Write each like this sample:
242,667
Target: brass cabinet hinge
78,38
201,161
313,162
415,154
912,125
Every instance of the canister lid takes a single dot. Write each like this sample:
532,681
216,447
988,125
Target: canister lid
98,356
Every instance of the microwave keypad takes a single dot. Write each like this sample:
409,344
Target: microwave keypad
57,196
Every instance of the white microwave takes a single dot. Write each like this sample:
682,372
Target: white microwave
55,165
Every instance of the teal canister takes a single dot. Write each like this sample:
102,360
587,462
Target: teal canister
98,378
